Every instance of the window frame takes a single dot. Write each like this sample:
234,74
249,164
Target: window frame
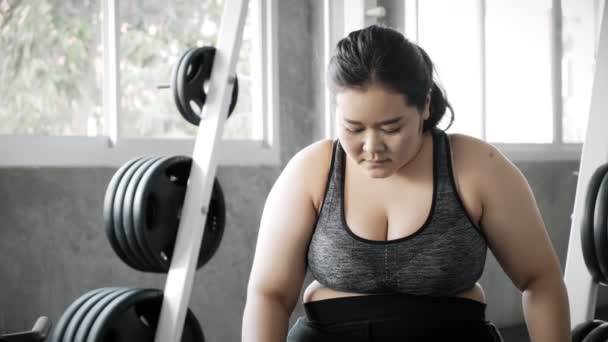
525,152
112,150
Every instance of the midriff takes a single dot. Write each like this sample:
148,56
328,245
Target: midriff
316,291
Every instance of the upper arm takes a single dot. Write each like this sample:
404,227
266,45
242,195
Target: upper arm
512,221
286,225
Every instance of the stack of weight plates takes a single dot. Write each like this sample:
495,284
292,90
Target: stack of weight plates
142,209
118,315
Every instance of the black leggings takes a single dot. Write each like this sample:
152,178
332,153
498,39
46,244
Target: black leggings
394,317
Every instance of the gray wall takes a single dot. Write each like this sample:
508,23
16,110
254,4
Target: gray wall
54,248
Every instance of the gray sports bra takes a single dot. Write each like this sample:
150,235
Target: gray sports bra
444,257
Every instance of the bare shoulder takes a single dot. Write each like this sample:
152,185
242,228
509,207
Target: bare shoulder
318,151
481,171
470,148
475,157
311,165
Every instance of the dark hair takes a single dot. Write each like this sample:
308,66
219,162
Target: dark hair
381,55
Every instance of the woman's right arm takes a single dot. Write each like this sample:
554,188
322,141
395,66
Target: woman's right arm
279,264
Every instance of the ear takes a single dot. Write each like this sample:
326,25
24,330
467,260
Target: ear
427,107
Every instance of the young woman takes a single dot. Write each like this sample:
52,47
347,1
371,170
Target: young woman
393,218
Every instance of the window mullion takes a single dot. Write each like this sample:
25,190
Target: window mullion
111,70
484,74
557,56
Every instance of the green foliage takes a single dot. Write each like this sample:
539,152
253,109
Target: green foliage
51,66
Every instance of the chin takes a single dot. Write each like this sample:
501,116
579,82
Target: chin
378,173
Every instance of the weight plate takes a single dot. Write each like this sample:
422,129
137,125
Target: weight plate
582,330
587,231
119,230
193,70
157,209
214,227
600,228
66,317
134,317
75,322
127,217
599,334
174,81
91,316
108,204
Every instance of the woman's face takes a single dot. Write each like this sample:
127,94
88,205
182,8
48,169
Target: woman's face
378,129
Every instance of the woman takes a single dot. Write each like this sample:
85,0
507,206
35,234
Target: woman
393,219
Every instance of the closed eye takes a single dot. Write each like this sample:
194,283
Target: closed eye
359,130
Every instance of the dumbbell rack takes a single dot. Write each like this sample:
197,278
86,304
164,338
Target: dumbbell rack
582,289
180,279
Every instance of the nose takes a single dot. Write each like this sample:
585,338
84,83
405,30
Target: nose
373,143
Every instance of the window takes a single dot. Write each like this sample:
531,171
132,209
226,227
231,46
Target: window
454,47
518,73
519,54
153,36
52,81
581,27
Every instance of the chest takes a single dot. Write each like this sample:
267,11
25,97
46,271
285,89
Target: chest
395,210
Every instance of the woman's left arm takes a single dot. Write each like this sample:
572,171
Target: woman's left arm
518,238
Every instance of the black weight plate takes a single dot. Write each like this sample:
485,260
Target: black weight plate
157,207
66,317
582,330
70,332
91,316
127,216
600,228
139,219
135,318
587,233
214,227
174,81
119,230
108,204
193,70
599,334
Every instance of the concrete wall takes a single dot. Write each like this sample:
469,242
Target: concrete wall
54,248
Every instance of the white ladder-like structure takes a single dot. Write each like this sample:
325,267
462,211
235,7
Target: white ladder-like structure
582,290
178,287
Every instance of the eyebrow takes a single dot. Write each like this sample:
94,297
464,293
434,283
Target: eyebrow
381,123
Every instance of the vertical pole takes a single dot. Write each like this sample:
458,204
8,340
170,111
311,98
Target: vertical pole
180,279
111,72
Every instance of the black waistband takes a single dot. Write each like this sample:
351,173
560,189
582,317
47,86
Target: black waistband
414,309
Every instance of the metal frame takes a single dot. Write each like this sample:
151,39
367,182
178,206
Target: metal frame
111,70
178,287
582,291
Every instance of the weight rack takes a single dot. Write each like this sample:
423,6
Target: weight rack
582,289
180,279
